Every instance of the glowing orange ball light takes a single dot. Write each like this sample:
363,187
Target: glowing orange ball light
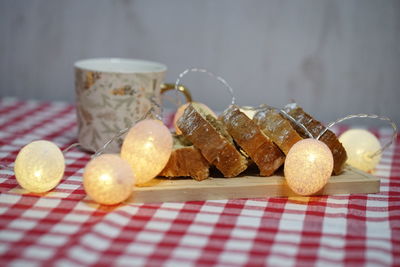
147,148
108,179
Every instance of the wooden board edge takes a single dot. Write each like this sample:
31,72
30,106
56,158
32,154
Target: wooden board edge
362,183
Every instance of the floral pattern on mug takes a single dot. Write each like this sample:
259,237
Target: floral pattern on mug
108,102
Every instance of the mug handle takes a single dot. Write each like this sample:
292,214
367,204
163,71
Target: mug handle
181,88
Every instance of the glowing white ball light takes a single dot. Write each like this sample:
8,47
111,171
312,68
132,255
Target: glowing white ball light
360,145
39,166
308,166
182,108
147,148
108,179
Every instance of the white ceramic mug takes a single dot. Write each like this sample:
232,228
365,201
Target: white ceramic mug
111,94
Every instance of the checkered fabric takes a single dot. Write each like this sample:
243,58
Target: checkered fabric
65,228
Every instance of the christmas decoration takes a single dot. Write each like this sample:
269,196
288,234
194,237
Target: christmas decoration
147,148
361,145
39,166
108,179
308,166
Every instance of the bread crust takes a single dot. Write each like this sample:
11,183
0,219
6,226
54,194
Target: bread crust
277,128
315,128
186,161
209,135
246,133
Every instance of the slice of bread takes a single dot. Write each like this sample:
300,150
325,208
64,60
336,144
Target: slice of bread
210,136
265,154
185,161
277,128
315,128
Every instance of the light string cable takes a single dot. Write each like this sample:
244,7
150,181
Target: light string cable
222,80
151,111
370,116
68,148
6,167
123,131
116,136
283,113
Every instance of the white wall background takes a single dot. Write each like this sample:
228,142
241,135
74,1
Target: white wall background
333,57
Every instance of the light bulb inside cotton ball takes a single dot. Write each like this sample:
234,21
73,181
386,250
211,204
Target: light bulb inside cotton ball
39,166
147,148
182,108
108,179
308,166
360,145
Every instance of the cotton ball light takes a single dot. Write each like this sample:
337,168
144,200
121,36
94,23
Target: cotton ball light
39,166
360,145
108,179
308,166
147,148
182,108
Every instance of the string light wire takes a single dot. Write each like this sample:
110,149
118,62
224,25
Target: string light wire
222,80
370,116
122,132
65,150
5,167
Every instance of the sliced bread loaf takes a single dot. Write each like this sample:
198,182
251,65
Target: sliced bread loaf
186,160
246,133
277,128
210,136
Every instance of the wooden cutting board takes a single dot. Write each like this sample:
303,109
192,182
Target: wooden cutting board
351,181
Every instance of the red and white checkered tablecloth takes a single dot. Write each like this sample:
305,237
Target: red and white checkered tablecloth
66,228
